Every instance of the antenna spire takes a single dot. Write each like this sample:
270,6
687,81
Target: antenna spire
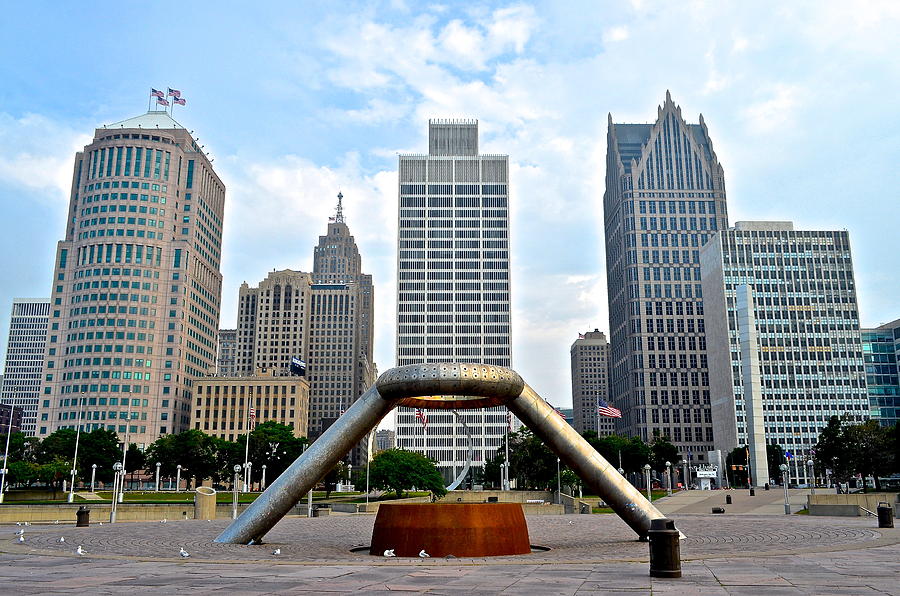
339,213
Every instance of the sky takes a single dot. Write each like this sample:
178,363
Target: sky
296,101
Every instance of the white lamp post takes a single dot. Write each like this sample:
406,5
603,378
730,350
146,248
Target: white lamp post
234,491
178,478
262,484
810,464
118,470
647,476
93,475
784,481
669,477
248,477
157,475
558,484
5,469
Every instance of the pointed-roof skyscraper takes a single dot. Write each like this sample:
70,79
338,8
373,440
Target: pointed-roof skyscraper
665,196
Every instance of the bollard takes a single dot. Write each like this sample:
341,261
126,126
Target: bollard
665,548
83,517
885,515
718,510
767,486
753,492
728,499
204,503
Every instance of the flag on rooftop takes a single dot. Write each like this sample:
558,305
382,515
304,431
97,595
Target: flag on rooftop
161,101
422,417
156,93
174,93
180,101
604,409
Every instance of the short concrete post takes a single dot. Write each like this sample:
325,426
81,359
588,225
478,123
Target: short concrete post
204,503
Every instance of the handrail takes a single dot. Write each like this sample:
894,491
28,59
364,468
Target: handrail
867,511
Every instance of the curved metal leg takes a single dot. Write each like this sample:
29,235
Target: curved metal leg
302,475
597,473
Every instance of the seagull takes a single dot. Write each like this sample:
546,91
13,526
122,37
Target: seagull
80,550
27,523
571,523
389,553
20,532
21,539
56,522
184,554
101,523
162,521
423,554
18,523
277,551
62,539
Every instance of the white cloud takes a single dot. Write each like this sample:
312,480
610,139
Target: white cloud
36,153
774,112
614,34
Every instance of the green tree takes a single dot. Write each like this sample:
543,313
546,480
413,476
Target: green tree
22,473
274,445
53,472
635,453
531,462
334,476
832,451
57,445
135,460
21,448
661,451
194,450
774,459
399,471
872,449
99,447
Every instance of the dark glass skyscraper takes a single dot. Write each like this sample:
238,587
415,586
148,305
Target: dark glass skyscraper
665,195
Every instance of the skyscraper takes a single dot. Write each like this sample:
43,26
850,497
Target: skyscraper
881,351
665,195
226,354
134,307
323,318
784,341
590,382
20,384
453,284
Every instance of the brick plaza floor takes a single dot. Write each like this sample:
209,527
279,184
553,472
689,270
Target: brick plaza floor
588,554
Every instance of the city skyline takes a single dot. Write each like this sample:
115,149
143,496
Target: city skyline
793,142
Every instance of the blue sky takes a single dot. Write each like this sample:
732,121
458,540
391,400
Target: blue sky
299,100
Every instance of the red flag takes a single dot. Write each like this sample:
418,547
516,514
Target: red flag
422,417
156,93
180,101
161,101
252,423
174,92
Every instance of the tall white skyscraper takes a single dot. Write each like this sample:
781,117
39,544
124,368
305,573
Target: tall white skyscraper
21,381
453,285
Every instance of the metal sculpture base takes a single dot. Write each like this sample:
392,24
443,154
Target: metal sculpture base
451,386
442,529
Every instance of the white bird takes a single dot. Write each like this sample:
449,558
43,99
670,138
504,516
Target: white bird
56,522
18,523
62,539
184,554
162,521
101,523
20,532
80,551
21,539
27,523
389,553
571,523
423,554
277,551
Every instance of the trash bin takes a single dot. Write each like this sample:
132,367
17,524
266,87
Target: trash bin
767,486
753,492
204,503
83,517
665,548
885,515
728,499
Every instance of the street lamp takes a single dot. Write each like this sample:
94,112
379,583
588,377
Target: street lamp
669,477
647,476
784,481
75,457
118,468
178,478
5,469
812,475
234,491
93,475
157,475
262,484
558,484
248,477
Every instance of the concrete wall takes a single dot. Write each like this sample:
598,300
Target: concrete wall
822,504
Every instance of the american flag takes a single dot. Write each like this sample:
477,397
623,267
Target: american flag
581,336
509,420
252,417
604,409
156,93
162,101
179,101
174,93
422,417
558,411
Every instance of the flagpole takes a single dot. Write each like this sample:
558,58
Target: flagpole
149,99
247,443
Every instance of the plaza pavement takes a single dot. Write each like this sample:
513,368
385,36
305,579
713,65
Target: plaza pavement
589,554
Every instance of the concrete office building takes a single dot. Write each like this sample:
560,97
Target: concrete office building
20,384
453,284
782,324
226,354
385,439
222,404
665,195
323,318
881,352
590,382
135,301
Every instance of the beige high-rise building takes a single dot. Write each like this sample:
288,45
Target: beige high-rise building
323,318
227,352
134,306
590,383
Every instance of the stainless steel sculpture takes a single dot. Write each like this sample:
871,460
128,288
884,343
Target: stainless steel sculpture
441,386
